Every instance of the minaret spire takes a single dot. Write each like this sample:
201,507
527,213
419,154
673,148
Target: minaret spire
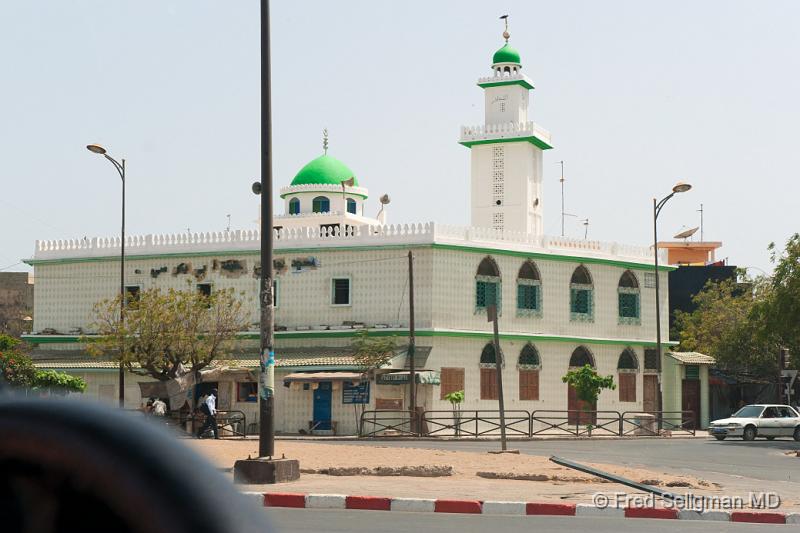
506,35
325,140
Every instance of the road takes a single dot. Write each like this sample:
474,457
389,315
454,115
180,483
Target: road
759,460
315,520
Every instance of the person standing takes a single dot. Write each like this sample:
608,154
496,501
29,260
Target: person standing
209,408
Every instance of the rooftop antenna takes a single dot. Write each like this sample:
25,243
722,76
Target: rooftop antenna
228,229
701,222
506,35
562,197
325,140
585,228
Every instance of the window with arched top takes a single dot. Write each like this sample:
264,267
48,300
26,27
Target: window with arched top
581,357
487,285
627,368
488,369
294,206
351,206
528,367
529,290
628,298
581,295
321,204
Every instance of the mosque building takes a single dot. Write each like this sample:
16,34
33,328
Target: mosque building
562,302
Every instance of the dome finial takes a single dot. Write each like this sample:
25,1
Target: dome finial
325,140
506,35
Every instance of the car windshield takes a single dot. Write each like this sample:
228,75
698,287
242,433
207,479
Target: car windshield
748,411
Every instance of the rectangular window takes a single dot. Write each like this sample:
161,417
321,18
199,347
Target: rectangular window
627,387
628,305
528,384
247,391
132,294
488,384
692,372
204,289
528,297
485,294
650,359
340,291
579,301
452,380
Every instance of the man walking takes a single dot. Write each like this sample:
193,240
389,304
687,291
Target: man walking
209,408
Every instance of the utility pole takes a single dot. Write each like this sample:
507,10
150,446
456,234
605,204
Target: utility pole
491,313
412,371
701,223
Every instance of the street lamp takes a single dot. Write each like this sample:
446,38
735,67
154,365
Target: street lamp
97,149
657,206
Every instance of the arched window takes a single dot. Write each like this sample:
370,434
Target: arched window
529,290
628,298
487,285
581,357
351,206
581,296
294,206
321,204
528,366
488,373
627,366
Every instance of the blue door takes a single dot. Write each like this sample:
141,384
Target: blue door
322,406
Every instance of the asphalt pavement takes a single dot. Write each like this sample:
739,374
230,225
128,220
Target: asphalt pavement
316,520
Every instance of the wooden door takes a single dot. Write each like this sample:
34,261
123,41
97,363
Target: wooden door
691,401
577,408
650,393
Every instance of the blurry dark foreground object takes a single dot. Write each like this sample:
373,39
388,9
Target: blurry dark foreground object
72,466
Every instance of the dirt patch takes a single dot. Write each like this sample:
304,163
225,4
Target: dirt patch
411,471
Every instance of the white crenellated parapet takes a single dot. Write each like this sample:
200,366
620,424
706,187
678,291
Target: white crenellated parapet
327,237
505,77
506,130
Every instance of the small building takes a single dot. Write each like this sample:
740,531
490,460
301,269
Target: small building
685,384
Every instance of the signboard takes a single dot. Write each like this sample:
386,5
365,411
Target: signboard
424,377
355,392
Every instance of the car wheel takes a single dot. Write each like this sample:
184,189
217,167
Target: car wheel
719,437
749,433
797,433
770,438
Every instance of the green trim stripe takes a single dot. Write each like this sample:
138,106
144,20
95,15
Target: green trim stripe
534,140
474,249
510,82
340,334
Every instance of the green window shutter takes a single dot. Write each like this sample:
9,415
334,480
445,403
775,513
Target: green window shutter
579,301
527,297
487,292
628,305
692,371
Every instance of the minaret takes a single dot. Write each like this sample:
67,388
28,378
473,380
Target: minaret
506,166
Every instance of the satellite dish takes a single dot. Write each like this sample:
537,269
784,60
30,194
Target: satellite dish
385,199
686,234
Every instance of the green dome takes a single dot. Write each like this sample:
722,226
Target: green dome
507,54
324,170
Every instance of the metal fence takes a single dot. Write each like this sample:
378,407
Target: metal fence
523,424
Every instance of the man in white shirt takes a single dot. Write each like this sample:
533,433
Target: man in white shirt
159,408
209,408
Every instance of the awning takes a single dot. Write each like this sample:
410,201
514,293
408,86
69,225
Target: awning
316,377
692,358
424,377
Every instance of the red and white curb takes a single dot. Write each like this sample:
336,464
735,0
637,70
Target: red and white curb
421,505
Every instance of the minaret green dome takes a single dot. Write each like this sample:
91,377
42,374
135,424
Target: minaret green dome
324,170
507,54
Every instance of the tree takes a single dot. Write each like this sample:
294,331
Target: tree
370,354
168,333
456,398
588,385
782,308
17,369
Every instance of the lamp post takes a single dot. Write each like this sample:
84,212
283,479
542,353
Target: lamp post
120,166
657,206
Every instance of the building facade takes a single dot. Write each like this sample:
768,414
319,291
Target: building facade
562,303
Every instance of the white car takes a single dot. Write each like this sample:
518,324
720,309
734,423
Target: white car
751,421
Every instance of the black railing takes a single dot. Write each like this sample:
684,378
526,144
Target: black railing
522,424
576,423
475,423
229,423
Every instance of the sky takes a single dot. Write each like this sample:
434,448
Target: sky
637,95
